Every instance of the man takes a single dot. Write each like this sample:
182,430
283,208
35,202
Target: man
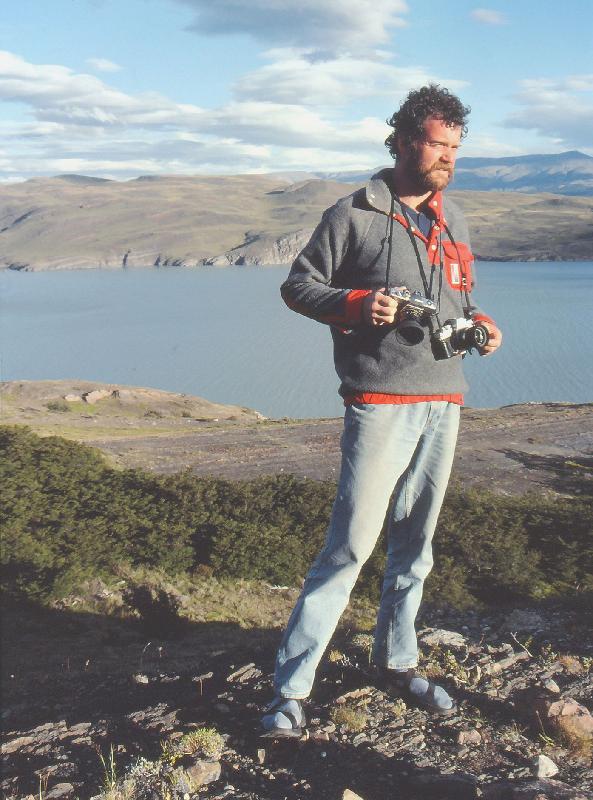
402,386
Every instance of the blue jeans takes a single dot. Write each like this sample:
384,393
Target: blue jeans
400,450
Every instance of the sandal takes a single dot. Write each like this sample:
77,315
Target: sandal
283,710
410,686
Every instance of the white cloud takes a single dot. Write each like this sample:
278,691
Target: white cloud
57,94
294,78
280,118
80,123
103,65
488,16
327,26
561,110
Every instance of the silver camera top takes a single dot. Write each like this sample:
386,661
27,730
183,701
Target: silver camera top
416,299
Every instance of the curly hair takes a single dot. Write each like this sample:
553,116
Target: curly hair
419,105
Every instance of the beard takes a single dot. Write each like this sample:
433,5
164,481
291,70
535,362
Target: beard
429,179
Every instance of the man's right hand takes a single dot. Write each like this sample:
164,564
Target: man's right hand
379,308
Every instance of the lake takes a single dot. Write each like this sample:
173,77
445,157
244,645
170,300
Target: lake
225,334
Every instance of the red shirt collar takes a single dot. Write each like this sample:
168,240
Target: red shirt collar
435,204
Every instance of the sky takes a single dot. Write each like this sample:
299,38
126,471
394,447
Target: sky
121,88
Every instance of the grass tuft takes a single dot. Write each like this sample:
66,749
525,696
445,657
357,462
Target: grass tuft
353,719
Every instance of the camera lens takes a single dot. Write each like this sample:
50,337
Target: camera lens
480,335
409,332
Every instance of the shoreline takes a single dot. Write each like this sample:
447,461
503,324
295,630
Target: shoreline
27,268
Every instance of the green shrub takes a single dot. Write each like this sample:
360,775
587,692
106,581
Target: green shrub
65,516
57,405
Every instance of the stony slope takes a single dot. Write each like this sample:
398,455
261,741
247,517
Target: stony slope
109,684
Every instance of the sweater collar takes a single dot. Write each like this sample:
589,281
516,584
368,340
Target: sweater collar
378,195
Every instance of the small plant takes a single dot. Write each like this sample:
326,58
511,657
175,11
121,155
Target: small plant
335,656
152,412
547,655
398,707
205,742
353,719
57,405
150,780
364,642
439,663
109,770
43,780
546,740
571,665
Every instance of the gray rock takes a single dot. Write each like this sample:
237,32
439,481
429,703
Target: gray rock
544,767
16,744
469,737
202,772
551,686
438,637
60,791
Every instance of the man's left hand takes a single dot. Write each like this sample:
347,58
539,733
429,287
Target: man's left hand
494,339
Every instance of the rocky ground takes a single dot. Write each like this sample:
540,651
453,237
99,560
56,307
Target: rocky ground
82,707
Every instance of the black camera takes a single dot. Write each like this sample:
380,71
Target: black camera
413,316
457,337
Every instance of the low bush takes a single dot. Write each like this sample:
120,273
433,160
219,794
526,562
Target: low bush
66,516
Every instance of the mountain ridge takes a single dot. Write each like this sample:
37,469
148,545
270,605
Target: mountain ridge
80,222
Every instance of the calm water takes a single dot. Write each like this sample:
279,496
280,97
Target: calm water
226,335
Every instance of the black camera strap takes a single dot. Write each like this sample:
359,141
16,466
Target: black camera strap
390,242
425,283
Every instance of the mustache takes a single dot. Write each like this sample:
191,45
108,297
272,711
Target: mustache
438,166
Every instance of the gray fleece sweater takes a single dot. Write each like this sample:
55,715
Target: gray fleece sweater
347,256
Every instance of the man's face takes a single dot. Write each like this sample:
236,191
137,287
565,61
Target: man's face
429,162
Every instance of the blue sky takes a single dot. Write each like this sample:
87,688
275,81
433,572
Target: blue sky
120,88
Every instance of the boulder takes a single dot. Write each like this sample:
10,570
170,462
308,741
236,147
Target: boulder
566,717
96,395
201,772
438,637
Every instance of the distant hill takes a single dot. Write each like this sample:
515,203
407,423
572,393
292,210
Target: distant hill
569,173
74,222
